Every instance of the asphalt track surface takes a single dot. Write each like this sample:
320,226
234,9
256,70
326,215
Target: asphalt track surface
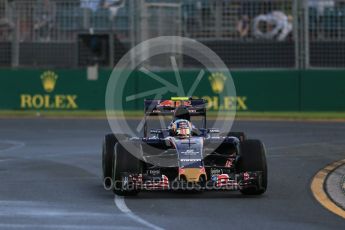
50,178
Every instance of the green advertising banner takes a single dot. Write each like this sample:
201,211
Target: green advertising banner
268,90
323,90
50,89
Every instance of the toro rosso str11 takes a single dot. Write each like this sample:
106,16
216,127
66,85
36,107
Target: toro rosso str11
182,156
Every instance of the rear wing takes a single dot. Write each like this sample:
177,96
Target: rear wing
196,107
165,107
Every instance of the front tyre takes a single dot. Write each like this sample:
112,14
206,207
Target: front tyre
108,156
125,164
253,158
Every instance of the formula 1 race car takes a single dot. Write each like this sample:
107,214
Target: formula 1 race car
181,156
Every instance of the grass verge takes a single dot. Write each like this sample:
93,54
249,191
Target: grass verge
322,116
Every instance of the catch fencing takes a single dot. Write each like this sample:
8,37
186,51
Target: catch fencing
246,34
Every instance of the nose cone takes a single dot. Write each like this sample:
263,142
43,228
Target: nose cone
192,174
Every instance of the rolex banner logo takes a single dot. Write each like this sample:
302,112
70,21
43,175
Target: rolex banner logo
217,81
49,99
48,81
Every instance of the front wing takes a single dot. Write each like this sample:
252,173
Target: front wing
224,181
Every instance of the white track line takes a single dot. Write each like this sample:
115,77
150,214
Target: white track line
16,145
121,205
59,226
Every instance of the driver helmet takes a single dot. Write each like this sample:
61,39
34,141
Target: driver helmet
181,128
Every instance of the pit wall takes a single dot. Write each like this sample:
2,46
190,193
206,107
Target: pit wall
281,90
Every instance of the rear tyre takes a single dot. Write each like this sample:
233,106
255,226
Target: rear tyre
108,156
253,158
124,165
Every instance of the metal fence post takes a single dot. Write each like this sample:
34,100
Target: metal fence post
143,27
132,30
218,18
295,32
15,48
302,31
306,33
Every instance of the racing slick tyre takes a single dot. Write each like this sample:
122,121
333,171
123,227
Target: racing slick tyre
253,158
108,156
240,135
125,164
